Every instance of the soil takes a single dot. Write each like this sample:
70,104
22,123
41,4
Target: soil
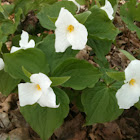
126,127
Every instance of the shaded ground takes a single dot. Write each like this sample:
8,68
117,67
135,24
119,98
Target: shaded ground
126,127
12,124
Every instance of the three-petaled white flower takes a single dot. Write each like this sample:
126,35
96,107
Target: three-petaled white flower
1,64
108,9
129,93
38,91
69,32
77,4
23,43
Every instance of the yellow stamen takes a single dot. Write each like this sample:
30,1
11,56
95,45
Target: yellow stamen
38,87
70,28
132,82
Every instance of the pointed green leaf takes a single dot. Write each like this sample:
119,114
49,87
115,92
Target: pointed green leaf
128,55
82,73
119,76
45,120
33,60
99,25
82,17
100,104
129,13
53,58
101,47
29,5
27,73
49,11
56,81
81,2
9,26
7,83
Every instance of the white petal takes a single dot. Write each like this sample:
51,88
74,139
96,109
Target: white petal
128,95
61,42
14,49
78,37
133,71
41,79
77,4
28,93
48,98
24,39
31,44
65,19
1,64
108,9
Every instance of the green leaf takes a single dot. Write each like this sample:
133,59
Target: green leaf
137,105
8,138
5,11
9,26
1,8
53,58
99,25
53,19
3,37
100,104
45,120
52,11
128,55
7,83
56,81
81,2
27,73
75,97
101,47
25,5
119,76
129,13
8,9
33,60
116,85
82,73
29,5
82,17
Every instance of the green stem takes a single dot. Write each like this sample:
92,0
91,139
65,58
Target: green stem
111,83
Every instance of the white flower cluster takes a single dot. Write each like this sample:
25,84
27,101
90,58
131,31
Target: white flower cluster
23,43
129,93
69,32
38,91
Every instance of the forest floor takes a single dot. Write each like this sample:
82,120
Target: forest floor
126,127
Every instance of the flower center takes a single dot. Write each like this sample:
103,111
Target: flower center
38,87
132,82
70,28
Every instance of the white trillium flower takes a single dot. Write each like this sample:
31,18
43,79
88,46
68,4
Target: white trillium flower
129,93
38,91
69,32
77,4
1,64
108,9
23,43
